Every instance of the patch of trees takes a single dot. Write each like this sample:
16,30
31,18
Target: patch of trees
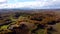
6,22
39,26
1,18
18,14
22,29
46,19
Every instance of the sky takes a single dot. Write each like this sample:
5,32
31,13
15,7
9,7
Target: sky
32,4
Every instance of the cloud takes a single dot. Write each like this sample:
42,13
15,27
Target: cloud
32,4
3,0
26,4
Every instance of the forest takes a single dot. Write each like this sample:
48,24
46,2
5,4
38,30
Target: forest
20,22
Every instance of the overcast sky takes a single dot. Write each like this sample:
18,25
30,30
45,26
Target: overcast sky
33,4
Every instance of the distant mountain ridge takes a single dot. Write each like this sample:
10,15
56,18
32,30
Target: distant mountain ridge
23,10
